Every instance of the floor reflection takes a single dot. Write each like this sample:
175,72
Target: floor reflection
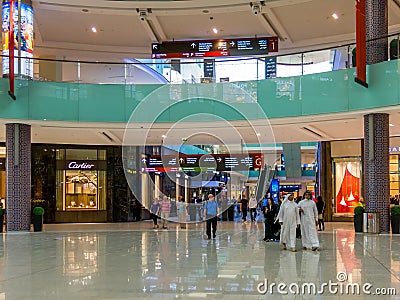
168,264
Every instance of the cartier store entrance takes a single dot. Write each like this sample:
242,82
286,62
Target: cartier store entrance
81,189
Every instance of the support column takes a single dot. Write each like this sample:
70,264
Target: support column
18,173
376,12
324,177
376,167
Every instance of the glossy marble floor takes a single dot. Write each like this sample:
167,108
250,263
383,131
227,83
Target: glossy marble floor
133,261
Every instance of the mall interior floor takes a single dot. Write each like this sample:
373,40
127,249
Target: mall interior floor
133,261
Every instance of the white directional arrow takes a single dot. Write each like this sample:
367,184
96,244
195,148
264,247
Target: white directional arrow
232,43
144,160
181,160
219,159
155,46
193,45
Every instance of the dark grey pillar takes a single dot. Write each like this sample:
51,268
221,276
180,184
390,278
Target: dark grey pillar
292,153
376,167
18,166
324,177
376,12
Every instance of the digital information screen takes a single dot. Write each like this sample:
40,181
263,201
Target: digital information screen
25,37
208,162
215,48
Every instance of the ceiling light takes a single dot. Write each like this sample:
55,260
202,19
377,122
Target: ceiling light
215,30
335,16
258,134
94,30
391,125
163,136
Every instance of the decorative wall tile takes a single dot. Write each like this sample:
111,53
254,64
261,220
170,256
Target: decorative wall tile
376,29
376,164
18,206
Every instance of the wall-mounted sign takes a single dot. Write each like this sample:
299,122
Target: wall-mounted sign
394,149
81,165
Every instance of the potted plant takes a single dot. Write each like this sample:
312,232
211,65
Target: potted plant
37,219
2,212
358,218
395,219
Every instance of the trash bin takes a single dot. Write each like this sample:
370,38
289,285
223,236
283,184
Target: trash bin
371,222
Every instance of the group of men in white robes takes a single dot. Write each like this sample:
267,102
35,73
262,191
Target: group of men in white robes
292,215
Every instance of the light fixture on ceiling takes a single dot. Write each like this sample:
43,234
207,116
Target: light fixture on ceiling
94,30
391,125
258,134
163,136
215,30
335,16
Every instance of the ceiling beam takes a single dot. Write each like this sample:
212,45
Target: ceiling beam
276,24
158,30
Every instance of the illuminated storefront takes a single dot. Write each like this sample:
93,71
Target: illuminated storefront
81,184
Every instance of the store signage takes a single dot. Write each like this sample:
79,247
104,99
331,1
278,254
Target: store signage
215,48
207,162
81,165
394,149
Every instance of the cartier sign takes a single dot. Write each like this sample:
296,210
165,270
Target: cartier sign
81,165
76,165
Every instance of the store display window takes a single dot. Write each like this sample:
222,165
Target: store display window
81,177
347,184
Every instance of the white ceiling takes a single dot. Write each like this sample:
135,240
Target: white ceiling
62,30
63,27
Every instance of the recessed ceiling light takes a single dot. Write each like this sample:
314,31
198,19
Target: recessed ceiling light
94,30
258,134
335,16
163,136
391,125
215,30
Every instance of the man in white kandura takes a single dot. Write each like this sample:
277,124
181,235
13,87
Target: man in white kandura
309,222
289,219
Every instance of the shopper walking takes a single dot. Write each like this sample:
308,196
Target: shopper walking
211,212
244,207
154,209
269,220
320,208
289,219
309,221
165,209
253,208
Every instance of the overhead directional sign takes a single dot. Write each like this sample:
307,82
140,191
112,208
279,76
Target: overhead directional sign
196,162
214,48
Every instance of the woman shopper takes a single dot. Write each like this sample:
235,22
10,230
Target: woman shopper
165,210
320,208
269,220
